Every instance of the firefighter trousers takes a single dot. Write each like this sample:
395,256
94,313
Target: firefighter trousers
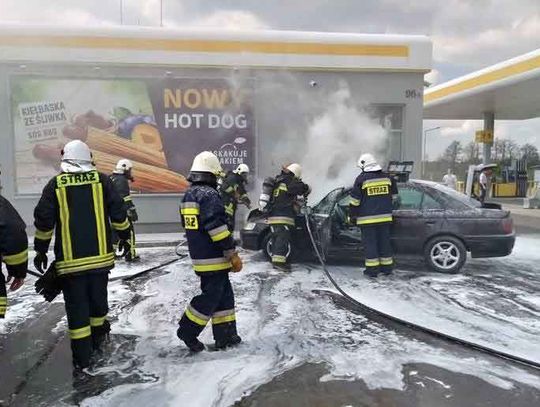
377,249
281,239
3,296
216,303
85,298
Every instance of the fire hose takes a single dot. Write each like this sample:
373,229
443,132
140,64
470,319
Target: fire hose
440,335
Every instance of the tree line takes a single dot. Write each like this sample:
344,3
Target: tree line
458,157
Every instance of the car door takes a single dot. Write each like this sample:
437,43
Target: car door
415,219
321,221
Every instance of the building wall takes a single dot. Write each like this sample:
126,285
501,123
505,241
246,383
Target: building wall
286,103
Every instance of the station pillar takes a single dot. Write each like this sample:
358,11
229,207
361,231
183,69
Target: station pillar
489,126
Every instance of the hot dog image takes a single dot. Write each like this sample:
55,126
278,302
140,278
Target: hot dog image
148,178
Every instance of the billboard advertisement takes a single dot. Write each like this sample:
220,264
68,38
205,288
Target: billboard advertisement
160,124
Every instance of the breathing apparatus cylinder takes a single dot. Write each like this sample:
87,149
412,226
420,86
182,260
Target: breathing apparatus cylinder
266,193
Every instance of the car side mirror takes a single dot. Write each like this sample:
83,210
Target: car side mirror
306,210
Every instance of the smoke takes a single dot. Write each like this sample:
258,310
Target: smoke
317,120
334,141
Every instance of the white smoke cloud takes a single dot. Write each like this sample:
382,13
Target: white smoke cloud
335,139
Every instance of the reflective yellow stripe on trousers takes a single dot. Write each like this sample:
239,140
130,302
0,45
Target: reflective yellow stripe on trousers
3,305
97,321
16,259
80,333
222,317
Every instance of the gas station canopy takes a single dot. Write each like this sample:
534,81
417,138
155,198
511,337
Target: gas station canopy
510,90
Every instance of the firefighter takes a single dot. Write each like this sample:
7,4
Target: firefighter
213,254
13,251
76,206
233,192
371,208
288,186
120,178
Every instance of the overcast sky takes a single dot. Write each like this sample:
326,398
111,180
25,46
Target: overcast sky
467,34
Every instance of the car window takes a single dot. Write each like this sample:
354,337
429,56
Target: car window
430,203
327,203
410,198
454,199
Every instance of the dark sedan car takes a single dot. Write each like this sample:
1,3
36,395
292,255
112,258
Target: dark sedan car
430,220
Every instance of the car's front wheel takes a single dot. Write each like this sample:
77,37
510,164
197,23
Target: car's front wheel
445,254
267,247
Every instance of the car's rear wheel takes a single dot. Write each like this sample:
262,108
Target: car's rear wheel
445,254
267,247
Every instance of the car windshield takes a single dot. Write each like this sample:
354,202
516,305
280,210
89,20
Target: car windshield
326,204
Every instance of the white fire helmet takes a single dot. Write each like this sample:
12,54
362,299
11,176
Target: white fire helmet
124,165
207,162
367,163
76,158
242,169
76,150
296,169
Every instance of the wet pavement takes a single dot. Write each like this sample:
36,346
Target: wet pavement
424,385
303,344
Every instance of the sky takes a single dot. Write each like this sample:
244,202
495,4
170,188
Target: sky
467,34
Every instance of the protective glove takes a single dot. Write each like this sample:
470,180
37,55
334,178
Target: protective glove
236,263
246,201
124,247
48,285
132,215
40,262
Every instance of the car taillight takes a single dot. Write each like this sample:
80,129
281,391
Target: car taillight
508,225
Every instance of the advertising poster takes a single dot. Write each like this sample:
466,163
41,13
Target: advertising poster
159,124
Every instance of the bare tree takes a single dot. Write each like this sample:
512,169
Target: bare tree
504,151
530,153
452,154
471,153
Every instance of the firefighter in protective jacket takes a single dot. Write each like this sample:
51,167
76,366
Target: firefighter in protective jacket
76,206
213,255
233,192
287,187
120,178
13,251
371,209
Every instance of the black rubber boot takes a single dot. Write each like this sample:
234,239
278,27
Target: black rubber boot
131,259
193,344
371,273
282,267
100,335
228,342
